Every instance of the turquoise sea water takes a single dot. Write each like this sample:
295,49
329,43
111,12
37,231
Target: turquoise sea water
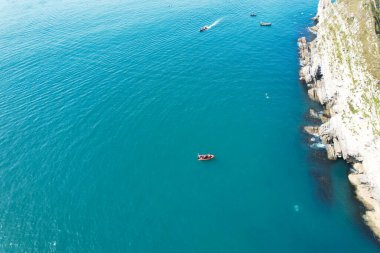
105,104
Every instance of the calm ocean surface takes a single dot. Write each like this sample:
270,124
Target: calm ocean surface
105,104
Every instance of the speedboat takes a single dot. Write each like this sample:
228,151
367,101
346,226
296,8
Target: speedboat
265,24
253,14
205,157
204,28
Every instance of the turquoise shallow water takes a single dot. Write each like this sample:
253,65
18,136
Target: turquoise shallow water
105,105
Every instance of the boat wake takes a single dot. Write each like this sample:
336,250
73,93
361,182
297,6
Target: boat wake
317,145
214,24
208,27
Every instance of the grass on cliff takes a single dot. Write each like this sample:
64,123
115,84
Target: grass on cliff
352,108
361,38
363,11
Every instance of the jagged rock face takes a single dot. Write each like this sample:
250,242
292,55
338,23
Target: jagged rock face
313,130
313,94
322,5
346,83
330,152
338,79
341,68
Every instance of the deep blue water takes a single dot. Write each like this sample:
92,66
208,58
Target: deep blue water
105,104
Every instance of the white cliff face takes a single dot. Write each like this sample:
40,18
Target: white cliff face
341,67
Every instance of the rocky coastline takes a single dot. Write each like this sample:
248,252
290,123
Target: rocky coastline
343,77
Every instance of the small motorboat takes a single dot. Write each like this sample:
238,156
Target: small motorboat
205,157
253,14
265,24
204,28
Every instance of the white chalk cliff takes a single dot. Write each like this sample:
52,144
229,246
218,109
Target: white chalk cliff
341,68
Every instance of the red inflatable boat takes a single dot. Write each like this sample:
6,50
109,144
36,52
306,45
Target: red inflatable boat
205,157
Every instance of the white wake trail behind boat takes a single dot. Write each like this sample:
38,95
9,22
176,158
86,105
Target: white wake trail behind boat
215,23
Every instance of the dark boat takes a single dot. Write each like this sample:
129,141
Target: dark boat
205,157
265,24
204,28
253,14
